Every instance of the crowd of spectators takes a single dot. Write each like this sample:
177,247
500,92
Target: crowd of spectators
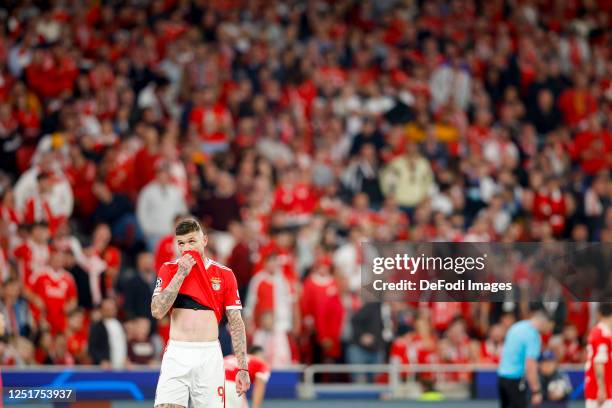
294,130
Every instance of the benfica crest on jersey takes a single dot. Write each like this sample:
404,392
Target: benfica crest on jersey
216,283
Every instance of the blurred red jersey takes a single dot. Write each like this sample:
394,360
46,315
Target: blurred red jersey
32,258
55,288
165,251
257,368
209,283
599,350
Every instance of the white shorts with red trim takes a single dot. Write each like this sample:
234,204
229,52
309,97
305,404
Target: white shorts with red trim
192,373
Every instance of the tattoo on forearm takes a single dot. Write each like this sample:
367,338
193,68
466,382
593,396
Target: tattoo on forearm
161,303
236,326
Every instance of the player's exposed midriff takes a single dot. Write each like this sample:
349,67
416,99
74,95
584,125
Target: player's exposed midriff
193,325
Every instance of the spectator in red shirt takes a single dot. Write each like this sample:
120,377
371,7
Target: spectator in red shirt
82,176
491,347
101,245
399,353
574,352
33,254
56,287
210,121
442,314
579,316
417,347
77,334
38,208
166,248
239,259
27,118
294,198
456,347
270,291
59,353
146,160
577,103
322,309
592,148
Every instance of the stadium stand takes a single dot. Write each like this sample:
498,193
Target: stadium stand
294,130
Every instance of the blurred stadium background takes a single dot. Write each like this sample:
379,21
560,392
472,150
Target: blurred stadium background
301,128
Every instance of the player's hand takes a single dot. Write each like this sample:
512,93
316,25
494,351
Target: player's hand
601,397
185,263
243,382
556,395
536,399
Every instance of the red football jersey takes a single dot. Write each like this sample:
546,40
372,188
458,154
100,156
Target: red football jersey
414,349
55,289
599,350
165,251
32,258
490,352
209,121
257,368
209,283
77,342
321,302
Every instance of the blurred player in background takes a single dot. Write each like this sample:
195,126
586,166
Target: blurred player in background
598,379
556,385
519,362
259,373
196,291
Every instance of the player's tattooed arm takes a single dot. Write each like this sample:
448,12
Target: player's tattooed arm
238,333
162,302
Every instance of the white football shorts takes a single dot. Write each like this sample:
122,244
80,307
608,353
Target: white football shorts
192,374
